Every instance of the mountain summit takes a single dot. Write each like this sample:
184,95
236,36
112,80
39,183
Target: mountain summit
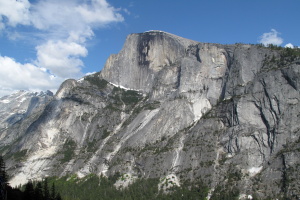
172,108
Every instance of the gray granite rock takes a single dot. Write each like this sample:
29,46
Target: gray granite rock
166,106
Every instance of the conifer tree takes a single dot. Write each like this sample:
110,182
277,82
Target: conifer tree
29,191
58,197
3,179
46,190
38,192
3,174
53,192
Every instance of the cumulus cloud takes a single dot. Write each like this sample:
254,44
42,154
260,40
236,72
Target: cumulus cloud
98,12
61,58
17,76
76,17
271,38
14,12
62,29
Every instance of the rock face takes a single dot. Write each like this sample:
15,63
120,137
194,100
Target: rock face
143,57
225,114
16,109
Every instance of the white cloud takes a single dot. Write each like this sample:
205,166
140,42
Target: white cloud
62,29
16,12
127,11
61,58
271,38
289,45
69,17
17,76
98,12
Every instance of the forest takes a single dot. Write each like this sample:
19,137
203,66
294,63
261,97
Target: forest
94,187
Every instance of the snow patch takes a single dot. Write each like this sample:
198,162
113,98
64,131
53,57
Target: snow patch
22,94
254,170
90,73
80,80
122,87
23,99
5,101
156,31
21,111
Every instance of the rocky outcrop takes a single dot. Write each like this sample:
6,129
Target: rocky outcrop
16,109
144,55
170,107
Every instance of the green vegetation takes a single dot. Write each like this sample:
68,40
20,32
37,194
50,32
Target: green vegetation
93,187
196,190
105,133
228,190
85,116
112,107
158,148
30,191
95,80
19,156
120,97
291,54
128,97
91,146
289,147
283,57
36,191
140,108
3,149
225,193
151,106
3,174
68,150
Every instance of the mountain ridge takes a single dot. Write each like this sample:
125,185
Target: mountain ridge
225,114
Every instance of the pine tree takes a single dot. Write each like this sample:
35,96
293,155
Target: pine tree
58,197
46,190
53,192
29,191
3,174
3,179
38,192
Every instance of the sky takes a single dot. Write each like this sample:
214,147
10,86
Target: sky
44,42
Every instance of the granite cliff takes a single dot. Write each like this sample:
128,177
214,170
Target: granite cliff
172,108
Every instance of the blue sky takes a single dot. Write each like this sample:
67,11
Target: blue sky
43,42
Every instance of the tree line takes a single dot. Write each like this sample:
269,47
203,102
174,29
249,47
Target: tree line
93,187
30,191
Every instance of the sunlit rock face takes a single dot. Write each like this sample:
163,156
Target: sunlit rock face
144,55
16,108
171,108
